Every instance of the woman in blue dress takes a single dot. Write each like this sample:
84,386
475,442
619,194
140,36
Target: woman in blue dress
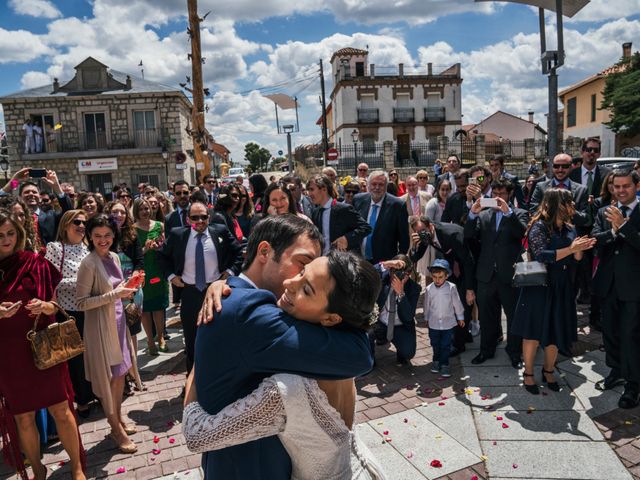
546,315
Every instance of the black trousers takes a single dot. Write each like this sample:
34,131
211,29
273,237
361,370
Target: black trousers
621,333
404,338
584,274
192,299
461,335
81,387
492,298
176,294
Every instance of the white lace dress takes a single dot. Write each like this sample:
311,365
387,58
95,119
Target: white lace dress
297,410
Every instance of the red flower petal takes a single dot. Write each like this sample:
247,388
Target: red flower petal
504,425
441,404
475,477
61,463
121,470
515,465
405,420
498,418
386,432
156,451
156,439
172,440
436,464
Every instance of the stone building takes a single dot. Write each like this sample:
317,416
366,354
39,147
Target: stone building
102,128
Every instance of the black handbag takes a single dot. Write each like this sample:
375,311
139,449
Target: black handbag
529,274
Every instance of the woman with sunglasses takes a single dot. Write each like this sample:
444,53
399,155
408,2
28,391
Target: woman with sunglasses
156,288
227,205
351,189
245,212
124,197
66,254
395,186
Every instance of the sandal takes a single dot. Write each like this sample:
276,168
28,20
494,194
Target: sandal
164,348
124,448
532,389
129,429
152,350
551,385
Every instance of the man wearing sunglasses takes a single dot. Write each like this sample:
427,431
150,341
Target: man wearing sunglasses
192,258
590,175
210,185
561,166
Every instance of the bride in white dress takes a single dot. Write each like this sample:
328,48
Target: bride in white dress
313,419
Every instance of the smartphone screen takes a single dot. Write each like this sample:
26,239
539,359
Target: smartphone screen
489,202
37,172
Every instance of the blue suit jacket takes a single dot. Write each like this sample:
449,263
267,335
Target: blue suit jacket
252,339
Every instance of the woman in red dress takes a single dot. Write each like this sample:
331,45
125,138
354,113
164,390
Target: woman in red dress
27,283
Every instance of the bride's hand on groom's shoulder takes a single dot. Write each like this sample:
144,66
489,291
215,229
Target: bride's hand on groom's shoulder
213,301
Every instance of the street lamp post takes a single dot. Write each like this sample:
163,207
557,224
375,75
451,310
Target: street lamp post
288,129
552,59
354,136
165,156
4,166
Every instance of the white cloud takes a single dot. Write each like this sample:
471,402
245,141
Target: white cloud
601,10
35,8
21,46
34,79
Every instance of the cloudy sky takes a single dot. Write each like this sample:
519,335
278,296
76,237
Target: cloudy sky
251,45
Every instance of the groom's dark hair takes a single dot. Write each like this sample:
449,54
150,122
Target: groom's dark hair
280,231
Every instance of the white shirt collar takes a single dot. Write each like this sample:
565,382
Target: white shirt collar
328,203
584,170
378,203
631,206
247,279
194,232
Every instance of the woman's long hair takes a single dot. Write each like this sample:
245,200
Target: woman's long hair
7,216
31,239
66,219
556,207
284,189
247,209
224,202
128,235
605,194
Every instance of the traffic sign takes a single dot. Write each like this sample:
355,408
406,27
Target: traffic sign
332,154
280,152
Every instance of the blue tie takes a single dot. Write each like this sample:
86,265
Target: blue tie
201,279
498,219
368,249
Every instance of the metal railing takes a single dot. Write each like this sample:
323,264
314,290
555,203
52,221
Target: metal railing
434,114
404,114
368,115
148,137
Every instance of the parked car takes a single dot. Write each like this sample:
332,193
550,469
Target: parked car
617,162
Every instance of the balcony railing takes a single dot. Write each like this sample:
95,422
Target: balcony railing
57,142
434,114
368,115
404,114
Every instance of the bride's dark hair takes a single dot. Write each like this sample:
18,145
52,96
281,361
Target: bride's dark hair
356,289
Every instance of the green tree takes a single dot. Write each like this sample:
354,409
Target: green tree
622,97
256,155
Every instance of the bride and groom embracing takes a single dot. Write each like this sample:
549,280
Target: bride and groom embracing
272,395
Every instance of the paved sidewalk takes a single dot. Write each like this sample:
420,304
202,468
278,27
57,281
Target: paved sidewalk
480,423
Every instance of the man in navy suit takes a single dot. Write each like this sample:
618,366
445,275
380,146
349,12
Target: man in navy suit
193,258
341,226
251,339
617,231
388,218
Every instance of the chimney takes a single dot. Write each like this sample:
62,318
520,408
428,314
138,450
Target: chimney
626,50
531,117
128,83
429,68
400,69
56,85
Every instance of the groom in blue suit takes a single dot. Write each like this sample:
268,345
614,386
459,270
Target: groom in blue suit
251,339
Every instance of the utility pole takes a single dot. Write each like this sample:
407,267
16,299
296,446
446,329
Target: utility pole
325,139
197,115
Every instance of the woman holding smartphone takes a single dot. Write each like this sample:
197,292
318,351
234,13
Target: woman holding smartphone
108,346
27,283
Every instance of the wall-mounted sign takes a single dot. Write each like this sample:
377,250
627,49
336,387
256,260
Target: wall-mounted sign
200,165
98,165
181,166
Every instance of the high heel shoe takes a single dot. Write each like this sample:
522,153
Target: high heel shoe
532,389
550,385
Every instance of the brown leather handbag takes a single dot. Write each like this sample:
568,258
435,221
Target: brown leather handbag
55,344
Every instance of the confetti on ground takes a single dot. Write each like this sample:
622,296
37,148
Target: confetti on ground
475,477
156,451
441,404
386,432
515,465
436,464
504,425
172,440
498,418
156,439
484,458
121,470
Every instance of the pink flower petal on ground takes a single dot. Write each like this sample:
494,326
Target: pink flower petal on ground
475,477
388,439
441,404
498,418
386,432
405,420
172,440
504,425
156,439
121,470
436,464
515,465
410,455
156,451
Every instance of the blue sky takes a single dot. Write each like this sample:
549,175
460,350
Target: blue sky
251,44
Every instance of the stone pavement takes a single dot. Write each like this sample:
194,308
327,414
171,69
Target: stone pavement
480,423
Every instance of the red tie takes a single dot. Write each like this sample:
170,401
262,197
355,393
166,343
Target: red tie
562,186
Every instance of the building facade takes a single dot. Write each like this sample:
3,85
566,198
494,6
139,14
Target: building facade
102,128
393,105
583,117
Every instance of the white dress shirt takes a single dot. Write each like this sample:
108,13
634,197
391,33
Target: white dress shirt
326,226
442,306
211,268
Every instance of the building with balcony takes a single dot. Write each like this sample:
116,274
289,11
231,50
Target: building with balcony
102,128
392,104
583,116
